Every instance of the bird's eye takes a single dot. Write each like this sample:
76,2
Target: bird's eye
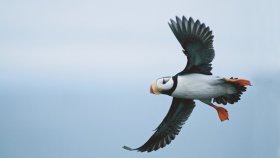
164,81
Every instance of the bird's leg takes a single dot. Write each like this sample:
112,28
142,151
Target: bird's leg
222,112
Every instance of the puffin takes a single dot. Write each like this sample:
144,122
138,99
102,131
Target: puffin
194,83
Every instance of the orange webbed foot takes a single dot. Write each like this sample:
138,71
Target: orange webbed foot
222,112
239,81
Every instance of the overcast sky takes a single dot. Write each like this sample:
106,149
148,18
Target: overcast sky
75,76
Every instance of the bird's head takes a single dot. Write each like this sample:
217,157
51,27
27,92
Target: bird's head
161,85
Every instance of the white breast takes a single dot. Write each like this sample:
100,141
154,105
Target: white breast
199,86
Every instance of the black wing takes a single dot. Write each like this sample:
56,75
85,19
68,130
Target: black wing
171,125
197,41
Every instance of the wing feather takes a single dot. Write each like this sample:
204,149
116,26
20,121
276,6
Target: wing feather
197,41
171,125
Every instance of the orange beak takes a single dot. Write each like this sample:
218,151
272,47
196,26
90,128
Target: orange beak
154,89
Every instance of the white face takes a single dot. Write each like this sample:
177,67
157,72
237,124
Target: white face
162,84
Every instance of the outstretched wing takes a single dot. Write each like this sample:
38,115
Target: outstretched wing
197,41
171,125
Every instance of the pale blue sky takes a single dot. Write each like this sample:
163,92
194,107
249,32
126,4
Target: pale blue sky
75,76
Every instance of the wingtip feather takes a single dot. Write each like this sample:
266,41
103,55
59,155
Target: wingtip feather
128,148
191,19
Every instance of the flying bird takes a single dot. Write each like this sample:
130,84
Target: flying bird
195,82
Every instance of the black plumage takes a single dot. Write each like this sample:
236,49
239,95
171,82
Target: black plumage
197,42
171,125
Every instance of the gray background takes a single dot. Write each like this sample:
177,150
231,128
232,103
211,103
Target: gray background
75,76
